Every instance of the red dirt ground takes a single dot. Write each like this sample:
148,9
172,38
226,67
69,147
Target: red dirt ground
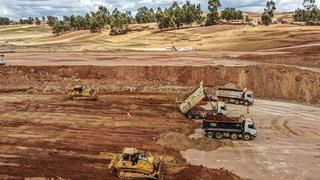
49,136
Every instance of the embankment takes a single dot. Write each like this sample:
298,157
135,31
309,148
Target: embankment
267,81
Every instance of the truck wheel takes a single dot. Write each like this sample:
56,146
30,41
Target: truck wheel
237,102
247,137
246,103
234,136
226,100
189,116
218,135
209,134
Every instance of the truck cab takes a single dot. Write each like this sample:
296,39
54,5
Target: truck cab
248,97
249,128
222,108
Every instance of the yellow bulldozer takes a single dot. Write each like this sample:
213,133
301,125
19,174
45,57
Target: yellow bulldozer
82,92
133,163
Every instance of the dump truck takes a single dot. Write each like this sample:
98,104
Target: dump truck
236,96
229,127
82,92
187,106
2,63
133,163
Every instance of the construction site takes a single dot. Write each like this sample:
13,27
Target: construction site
134,99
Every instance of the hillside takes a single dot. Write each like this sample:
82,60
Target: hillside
146,37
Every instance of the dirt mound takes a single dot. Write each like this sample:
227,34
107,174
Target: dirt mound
181,142
200,173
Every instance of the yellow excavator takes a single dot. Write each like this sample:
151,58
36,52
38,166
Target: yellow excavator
82,92
133,163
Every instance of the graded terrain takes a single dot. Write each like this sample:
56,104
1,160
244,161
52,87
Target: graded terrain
46,135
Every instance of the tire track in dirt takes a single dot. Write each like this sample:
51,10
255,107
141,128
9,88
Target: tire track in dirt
274,123
285,124
53,138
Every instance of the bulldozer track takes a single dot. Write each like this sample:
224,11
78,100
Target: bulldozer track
285,124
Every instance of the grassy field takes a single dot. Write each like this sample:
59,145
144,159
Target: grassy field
215,38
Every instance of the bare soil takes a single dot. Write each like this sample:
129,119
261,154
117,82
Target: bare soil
44,135
287,144
181,142
288,83
50,137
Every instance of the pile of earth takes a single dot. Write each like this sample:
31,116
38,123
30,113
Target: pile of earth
182,142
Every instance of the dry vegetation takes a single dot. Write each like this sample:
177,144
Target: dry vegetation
217,38
45,135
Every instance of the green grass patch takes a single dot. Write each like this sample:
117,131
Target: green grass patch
22,29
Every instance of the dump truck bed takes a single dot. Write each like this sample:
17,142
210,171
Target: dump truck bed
193,99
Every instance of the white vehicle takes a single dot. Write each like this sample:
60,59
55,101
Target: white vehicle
2,60
236,96
188,105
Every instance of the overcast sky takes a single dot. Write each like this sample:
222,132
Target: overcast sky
16,9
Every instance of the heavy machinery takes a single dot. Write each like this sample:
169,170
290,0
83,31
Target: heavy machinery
82,92
133,163
229,127
233,95
2,63
187,106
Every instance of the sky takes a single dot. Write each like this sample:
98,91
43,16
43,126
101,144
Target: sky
16,9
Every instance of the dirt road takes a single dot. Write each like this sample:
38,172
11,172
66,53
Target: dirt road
122,58
301,60
287,145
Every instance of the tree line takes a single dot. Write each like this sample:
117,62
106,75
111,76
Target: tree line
95,21
177,16
174,17
32,20
4,21
213,16
310,13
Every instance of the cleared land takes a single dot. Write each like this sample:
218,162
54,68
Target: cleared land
216,38
287,146
45,135
48,136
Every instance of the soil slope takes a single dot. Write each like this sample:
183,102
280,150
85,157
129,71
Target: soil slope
267,81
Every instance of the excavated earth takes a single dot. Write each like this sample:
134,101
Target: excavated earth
267,81
48,136
45,135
